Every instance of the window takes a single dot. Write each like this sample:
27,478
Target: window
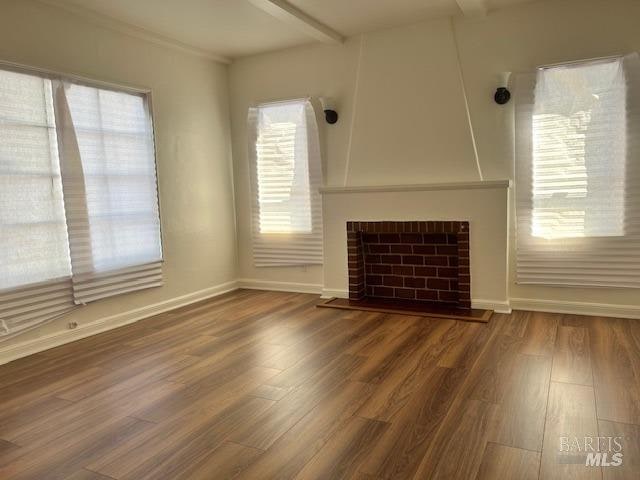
78,199
576,170
115,140
286,176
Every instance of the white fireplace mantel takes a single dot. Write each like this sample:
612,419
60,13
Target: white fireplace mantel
476,185
484,204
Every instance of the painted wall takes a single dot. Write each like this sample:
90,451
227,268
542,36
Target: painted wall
389,130
405,120
190,102
517,40
289,74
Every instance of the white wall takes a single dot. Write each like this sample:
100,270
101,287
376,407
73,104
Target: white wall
397,136
409,124
190,102
410,121
519,39
289,74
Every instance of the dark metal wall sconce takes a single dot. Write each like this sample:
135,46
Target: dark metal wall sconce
503,95
330,114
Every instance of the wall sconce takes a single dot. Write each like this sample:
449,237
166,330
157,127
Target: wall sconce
503,95
328,106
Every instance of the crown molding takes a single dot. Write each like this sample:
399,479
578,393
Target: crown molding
125,28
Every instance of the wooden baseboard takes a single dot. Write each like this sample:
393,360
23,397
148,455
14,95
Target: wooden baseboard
498,306
577,308
18,350
256,284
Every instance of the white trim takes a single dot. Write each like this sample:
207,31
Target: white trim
354,111
498,306
463,85
485,184
281,101
74,78
334,293
577,308
125,28
256,284
585,60
19,350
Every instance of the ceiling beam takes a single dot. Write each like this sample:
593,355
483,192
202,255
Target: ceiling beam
292,15
473,8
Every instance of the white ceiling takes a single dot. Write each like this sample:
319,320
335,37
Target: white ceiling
234,28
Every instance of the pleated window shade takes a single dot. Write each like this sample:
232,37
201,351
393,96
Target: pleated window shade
34,250
578,174
79,214
109,182
286,175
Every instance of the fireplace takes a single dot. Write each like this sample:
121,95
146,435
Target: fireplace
419,262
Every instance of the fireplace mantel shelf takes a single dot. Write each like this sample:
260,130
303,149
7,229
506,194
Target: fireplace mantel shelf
476,185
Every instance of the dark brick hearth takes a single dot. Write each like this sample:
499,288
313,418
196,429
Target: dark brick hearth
419,261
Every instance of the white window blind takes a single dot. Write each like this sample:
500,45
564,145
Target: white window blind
286,175
34,251
78,200
577,174
110,191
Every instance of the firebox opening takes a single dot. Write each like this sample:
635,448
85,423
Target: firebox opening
420,262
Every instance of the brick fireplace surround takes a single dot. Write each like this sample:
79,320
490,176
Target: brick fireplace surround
425,261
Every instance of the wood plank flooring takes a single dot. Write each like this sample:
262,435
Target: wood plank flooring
264,385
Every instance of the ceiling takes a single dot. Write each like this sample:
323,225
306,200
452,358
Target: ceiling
235,28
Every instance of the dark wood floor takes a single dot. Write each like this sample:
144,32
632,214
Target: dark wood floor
263,385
